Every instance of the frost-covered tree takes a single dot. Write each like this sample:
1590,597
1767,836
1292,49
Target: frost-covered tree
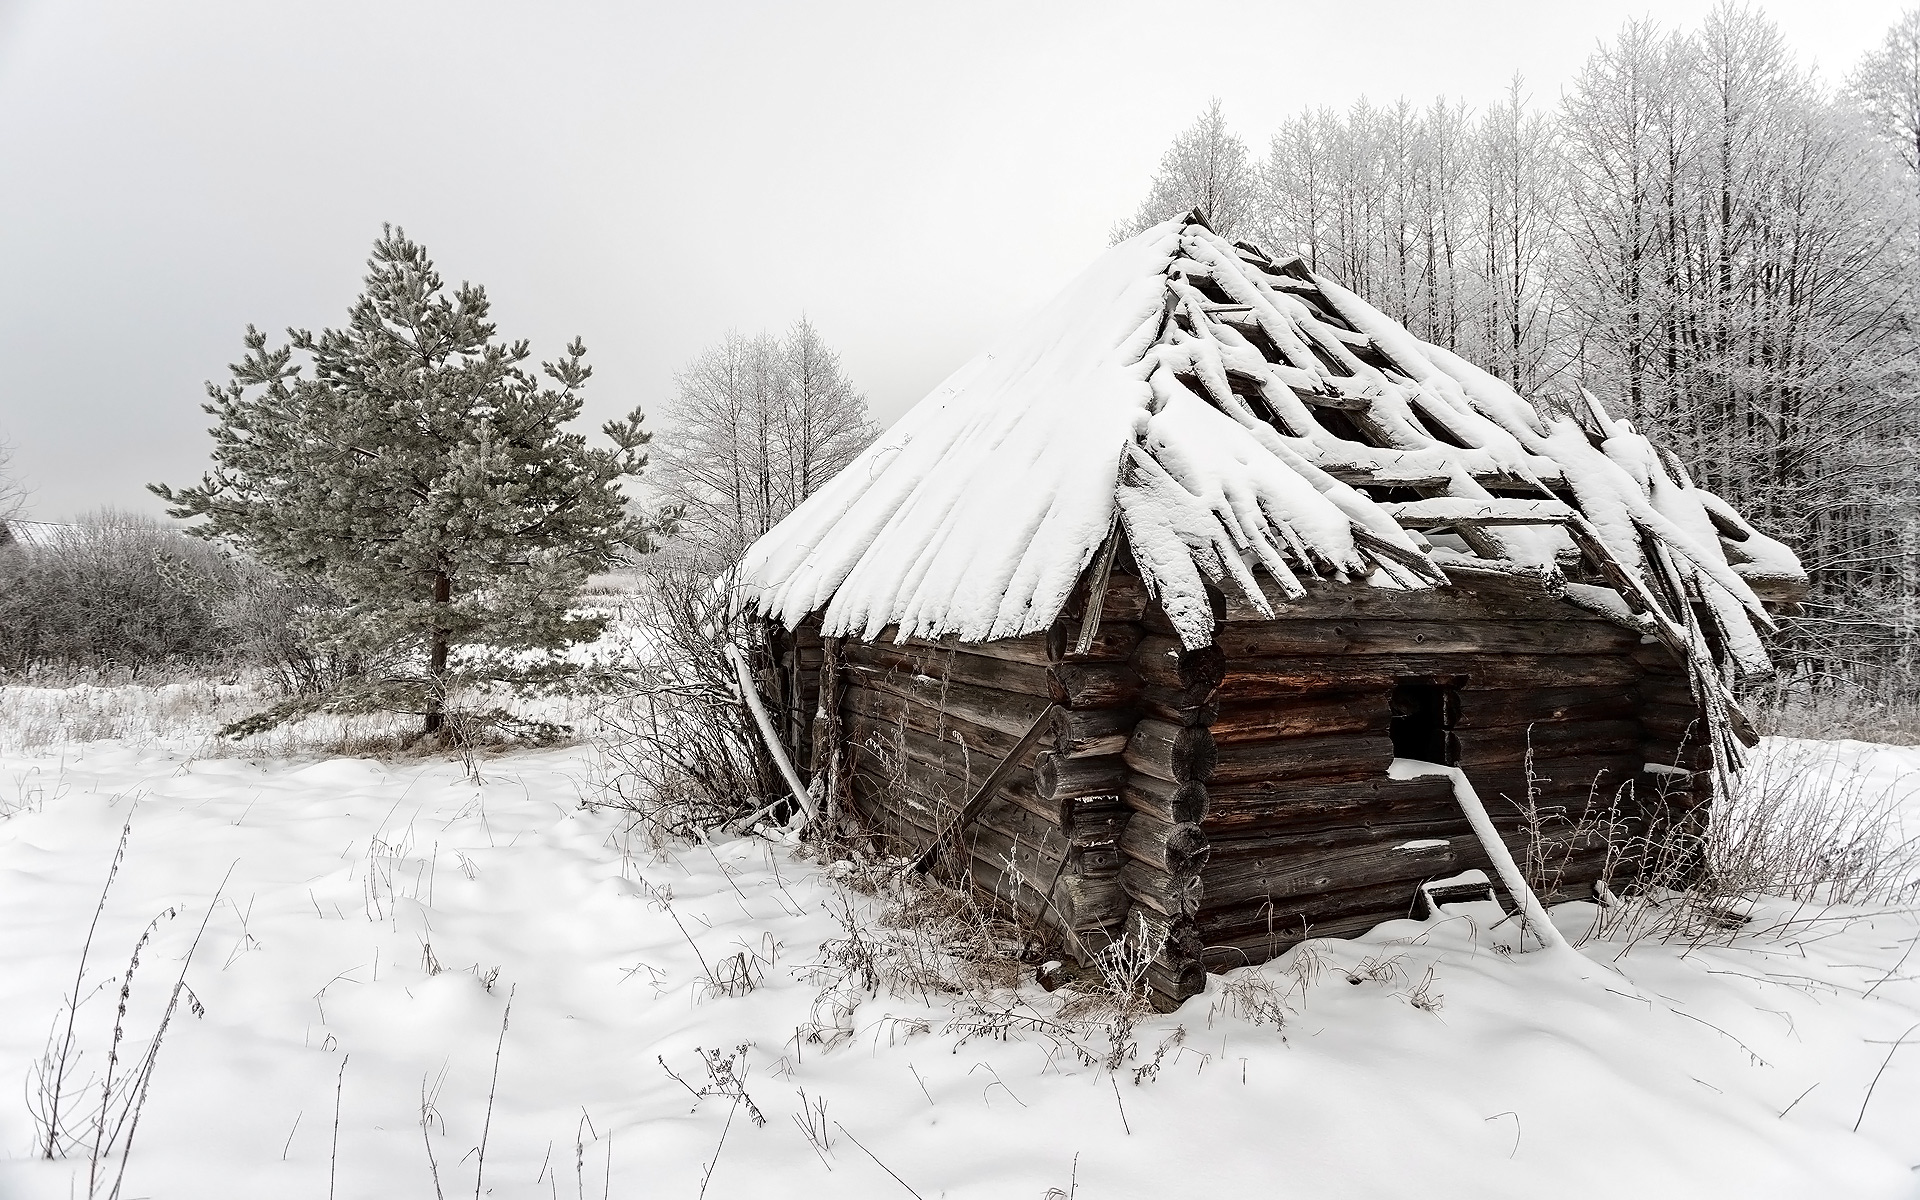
1886,86
757,424
13,492
1717,245
1206,168
423,473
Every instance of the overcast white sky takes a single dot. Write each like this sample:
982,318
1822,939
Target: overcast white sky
647,176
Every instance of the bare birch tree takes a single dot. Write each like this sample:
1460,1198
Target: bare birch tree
756,425
13,491
1206,168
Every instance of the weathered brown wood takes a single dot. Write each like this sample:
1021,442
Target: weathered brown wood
1174,848
1164,937
1093,685
948,665
935,798
1092,820
1482,749
1089,902
905,757
1334,756
1307,806
1163,663
1301,716
1172,803
1323,639
1476,599
890,748
1059,778
983,722
1114,641
1313,870
1323,914
1487,708
1178,708
1259,678
1175,753
1091,733
1173,895
985,793
1559,781
1030,648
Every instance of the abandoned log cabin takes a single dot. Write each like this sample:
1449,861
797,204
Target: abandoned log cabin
1208,544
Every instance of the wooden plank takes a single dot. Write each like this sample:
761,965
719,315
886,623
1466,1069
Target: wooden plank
1332,756
1307,806
1311,713
985,718
1164,663
1262,678
1490,708
1093,685
1483,749
951,665
1179,708
886,743
1114,641
1059,778
931,798
1030,649
1329,638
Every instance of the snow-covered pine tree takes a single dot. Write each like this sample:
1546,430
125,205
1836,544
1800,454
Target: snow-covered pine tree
423,473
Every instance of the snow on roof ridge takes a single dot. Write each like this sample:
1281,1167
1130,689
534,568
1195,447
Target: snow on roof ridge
1226,408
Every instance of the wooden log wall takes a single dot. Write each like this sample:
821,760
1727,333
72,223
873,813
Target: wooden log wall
926,722
1308,837
1225,803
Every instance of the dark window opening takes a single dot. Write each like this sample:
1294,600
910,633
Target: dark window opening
1422,722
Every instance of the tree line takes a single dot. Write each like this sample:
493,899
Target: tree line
1700,231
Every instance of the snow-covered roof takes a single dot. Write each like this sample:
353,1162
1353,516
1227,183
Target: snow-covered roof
1235,414
41,534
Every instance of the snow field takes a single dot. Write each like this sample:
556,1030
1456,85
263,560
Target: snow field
1424,1059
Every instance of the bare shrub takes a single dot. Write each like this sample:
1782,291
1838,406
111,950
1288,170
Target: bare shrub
1892,717
678,747
124,598
1799,824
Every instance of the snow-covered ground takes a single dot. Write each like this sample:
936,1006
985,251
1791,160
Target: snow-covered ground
375,922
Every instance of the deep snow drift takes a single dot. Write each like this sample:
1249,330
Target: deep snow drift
379,919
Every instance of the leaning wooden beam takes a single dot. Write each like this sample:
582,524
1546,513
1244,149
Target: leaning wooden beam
1097,591
1532,915
986,790
767,733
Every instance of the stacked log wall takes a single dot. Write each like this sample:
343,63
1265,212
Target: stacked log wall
1222,804
926,722
1309,837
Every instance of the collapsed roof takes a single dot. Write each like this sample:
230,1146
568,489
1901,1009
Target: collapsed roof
1238,416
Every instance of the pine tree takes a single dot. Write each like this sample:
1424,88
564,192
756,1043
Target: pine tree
422,472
